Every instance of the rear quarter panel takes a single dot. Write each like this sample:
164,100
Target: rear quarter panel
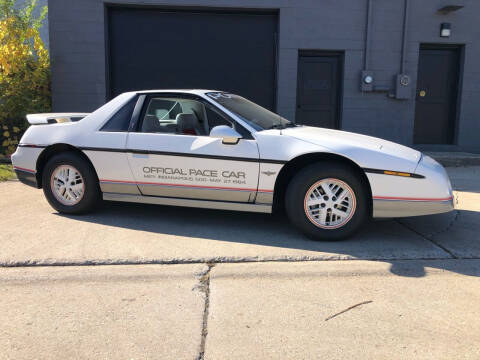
84,135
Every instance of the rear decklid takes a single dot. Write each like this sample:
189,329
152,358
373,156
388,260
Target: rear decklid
53,118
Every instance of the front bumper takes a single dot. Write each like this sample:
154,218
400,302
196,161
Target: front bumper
407,196
388,208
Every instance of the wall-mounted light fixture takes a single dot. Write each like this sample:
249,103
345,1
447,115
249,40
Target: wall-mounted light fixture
445,30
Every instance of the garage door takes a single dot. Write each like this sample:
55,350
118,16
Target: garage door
160,49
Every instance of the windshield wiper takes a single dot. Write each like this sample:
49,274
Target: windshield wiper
282,126
275,126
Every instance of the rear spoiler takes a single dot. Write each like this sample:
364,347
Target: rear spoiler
53,118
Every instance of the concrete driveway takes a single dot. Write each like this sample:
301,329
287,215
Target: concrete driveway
119,233
197,284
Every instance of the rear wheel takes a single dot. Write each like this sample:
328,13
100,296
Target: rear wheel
70,184
327,201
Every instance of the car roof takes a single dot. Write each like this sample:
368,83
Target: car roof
180,91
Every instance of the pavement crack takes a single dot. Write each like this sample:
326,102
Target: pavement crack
430,237
449,226
348,309
204,287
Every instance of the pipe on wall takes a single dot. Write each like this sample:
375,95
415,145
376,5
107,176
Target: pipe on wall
368,31
406,17
400,90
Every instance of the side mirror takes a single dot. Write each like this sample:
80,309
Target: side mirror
226,133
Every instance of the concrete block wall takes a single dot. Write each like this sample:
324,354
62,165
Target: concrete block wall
77,43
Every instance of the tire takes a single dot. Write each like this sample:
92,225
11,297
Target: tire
62,166
311,215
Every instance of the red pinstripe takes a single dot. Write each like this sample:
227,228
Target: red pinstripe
410,198
20,168
183,185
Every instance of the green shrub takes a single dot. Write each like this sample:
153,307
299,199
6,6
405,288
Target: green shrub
6,172
24,70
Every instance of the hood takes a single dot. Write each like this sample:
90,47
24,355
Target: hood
367,151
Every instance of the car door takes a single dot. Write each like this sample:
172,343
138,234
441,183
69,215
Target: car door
171,154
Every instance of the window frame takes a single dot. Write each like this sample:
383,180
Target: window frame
143,102
102,128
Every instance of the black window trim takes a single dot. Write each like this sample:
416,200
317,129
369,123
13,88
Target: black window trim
136,113
144,99
102,127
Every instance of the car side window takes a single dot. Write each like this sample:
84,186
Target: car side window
215,119
183,116
174,116
120,121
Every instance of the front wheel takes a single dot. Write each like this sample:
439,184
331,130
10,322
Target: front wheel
70,184
327,201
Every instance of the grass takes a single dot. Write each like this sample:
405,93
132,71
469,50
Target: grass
6,172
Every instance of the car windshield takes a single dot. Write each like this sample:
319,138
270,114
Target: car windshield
256,116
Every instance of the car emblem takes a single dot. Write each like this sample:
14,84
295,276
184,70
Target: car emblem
268,173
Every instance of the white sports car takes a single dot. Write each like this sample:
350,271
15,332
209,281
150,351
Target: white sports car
216,150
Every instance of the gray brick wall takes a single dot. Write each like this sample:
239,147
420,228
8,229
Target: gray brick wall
77,43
